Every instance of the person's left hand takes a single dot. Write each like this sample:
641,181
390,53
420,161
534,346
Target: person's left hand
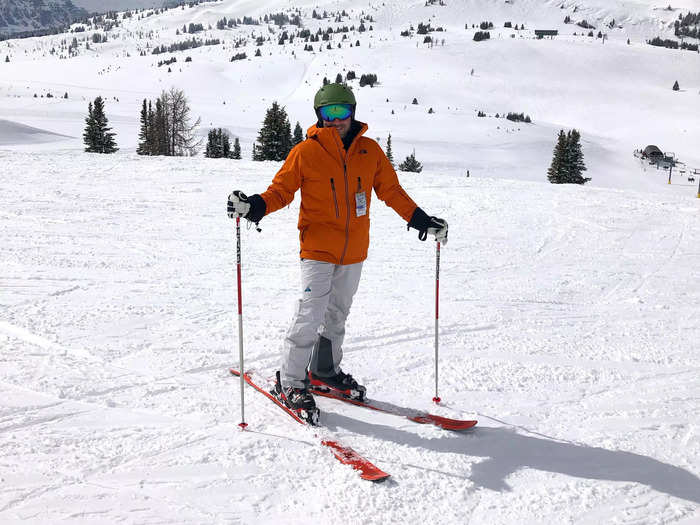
438,228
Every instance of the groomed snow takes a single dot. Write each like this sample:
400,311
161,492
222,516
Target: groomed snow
569,319
12,133
569,315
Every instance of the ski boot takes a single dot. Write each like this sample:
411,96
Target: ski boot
298,400
341,384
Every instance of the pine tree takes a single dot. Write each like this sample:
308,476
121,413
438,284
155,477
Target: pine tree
676,87
7,58
98,137
210,150
166,130
218,144
160,130
90,133
275,136
225,144
287,139
257,153
107,142
236,153
151,137
389,151
143,147
298,135
567,165
575,157
411,164
556,171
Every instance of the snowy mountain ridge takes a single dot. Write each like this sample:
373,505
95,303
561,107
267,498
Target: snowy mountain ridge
30,15
617,94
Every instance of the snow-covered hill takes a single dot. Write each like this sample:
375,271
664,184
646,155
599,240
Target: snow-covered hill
569,315
102,6
618,95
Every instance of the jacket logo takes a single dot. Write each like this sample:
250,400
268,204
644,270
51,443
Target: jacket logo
363,152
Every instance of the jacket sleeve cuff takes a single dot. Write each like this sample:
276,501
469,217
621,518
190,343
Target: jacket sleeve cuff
258,208
419,220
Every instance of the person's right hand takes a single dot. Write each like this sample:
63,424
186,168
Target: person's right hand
238,205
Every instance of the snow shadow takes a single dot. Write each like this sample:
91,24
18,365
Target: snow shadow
507,451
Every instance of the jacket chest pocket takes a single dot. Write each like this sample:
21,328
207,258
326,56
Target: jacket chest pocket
322,195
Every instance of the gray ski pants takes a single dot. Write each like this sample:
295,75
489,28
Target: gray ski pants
314,340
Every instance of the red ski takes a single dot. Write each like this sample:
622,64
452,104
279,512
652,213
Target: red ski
344,454
416,416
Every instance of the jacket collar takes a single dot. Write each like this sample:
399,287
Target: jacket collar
329,138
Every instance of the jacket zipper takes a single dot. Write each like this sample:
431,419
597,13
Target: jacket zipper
347,202
359,184
347,207
335,199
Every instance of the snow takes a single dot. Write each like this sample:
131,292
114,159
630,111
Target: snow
568,315
12,133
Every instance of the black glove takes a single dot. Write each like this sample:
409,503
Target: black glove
252,208
428,225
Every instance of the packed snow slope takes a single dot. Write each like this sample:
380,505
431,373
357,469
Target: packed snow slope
618,95
569,322
12,133
569,315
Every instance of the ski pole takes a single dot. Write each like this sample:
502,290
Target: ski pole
242,424
436,399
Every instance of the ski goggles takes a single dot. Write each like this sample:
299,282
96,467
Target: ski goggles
335,112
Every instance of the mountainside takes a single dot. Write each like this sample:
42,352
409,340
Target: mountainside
17,16
102,6
568,314
604,80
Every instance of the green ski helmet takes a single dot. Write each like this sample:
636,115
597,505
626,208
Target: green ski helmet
333,94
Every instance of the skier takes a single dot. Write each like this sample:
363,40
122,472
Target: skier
336,168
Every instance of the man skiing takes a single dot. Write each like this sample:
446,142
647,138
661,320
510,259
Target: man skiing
335,168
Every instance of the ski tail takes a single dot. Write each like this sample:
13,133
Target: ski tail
268,395
413,415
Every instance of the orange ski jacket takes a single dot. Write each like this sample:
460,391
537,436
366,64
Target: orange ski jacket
332,225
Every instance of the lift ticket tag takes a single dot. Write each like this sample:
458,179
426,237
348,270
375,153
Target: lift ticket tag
360,204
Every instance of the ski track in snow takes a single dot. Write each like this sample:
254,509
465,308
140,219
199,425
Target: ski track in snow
568,330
